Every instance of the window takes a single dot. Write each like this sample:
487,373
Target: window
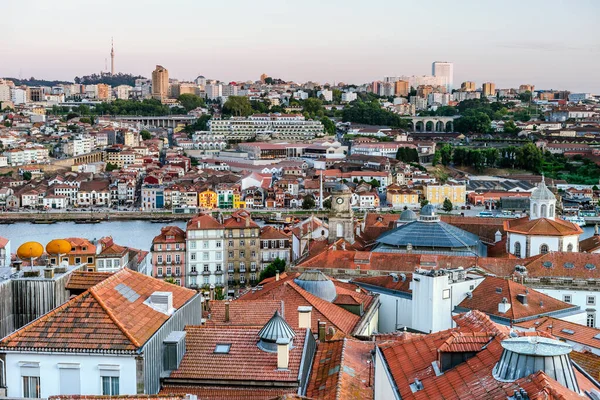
193,244
282,243
159,271
544,249
253,276
193,269
168,247
242,243
591,300
110,385
218,245
567,298
230,243
192,256
253,243
591,320
169,271
231,254
570,248
177,246
169,258
242,253
205,268
69,378
218,255
253,254
90,260
205,244
242,278
230,267
205,256
159,259
77,260
518,249
31,387
177,271
219,267
206,280
177,259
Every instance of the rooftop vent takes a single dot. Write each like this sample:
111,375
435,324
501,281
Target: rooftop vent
522,356
161,302
498,290
416,385
276,328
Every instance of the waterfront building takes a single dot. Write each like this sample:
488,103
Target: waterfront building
169,255
207,199
204,253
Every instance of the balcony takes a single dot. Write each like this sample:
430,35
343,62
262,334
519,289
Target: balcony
206,272
242,270
230,271
219,272
193,273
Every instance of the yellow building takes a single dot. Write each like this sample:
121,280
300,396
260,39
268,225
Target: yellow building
160,82
238,202
436,194
468,86
489,89
207,199
400,197
401,88
103,91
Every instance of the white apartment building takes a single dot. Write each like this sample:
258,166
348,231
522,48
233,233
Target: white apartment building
278,126
445,71
301,95
420,103
122,92
213,91
347,97
229,90
326,93
33,155
18,96
4,92
204,252
78,146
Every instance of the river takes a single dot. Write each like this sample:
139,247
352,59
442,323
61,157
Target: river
136,234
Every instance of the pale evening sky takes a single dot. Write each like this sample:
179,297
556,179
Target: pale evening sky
549,43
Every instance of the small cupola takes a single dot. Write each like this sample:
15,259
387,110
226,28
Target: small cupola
275,329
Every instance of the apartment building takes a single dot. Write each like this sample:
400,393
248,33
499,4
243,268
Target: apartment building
436,194
274,243
23,156
278,126
242,249
204,253
168,255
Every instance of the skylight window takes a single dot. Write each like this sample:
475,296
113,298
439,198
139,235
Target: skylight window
222,348
597,336
568,331
547,264
590,266
569,265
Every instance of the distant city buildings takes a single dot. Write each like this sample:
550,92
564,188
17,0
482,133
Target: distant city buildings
444,70
160,82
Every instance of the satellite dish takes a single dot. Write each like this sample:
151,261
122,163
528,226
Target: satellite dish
30,250
58,247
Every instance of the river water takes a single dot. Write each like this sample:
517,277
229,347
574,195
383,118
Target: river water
136,234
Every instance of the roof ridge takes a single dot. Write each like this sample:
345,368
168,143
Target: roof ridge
112,316
339,386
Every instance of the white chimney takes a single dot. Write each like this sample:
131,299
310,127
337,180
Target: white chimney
504,306
498,237
277,276
283,353
304,317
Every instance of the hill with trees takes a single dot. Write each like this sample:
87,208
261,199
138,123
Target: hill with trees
108,79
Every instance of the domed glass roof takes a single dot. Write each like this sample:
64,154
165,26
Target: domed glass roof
428,210
542,192
408,215
316,283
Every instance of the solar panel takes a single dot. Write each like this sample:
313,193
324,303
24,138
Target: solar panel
127,292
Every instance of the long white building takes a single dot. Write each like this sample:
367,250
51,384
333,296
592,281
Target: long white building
277,126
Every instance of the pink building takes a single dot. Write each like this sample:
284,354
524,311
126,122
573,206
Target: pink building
168,255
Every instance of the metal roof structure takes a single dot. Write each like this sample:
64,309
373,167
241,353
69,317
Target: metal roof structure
317,283
276,328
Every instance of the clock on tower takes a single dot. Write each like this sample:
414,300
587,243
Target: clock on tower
341,218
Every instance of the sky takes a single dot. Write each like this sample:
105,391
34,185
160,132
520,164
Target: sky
553,44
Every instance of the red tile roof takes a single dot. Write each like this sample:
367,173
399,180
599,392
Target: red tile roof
101,319
341,370
227,393
582,334
590,244
542,226
558,264
83,280
168,231
410,357
270,232
244,312
489,293
589,361
203,221
244,362
387,282
239,219
124,397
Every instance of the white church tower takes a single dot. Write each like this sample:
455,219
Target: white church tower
542,202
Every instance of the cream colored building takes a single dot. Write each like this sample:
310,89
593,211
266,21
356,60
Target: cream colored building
489,89
436,194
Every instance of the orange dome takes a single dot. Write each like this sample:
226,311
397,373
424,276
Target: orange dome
58,246
30,250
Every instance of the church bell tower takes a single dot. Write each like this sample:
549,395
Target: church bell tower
341,217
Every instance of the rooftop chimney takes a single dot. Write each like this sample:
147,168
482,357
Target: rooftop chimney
322,335
161,302
304,317
48,272
283,353
504,306
277,276
227,312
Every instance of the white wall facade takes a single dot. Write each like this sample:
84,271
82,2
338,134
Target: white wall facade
383,388
554,243
204,248
587,300
50,367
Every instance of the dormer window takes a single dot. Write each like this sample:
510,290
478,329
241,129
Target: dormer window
222,348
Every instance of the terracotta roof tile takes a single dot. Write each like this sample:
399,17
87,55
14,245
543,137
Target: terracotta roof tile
200,361
590,244
489,293
227,393
203,221
244,312
83,280
101,319
124,397
542,226
562,329
341,370
589,361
